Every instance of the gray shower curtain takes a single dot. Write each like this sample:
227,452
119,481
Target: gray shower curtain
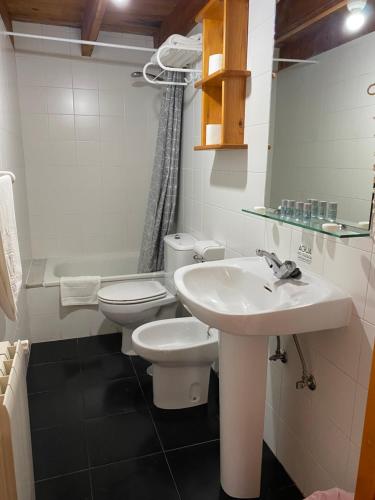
161,209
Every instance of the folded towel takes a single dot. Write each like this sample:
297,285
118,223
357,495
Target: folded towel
334,494
180,58
79,291
10,260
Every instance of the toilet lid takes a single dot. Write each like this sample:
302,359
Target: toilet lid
132,292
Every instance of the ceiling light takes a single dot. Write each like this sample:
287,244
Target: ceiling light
120,3
356,18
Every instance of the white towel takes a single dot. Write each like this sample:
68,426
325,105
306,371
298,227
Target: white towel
180,58
10,259
79,291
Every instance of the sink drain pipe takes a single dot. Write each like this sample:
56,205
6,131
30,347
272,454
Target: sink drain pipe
307,379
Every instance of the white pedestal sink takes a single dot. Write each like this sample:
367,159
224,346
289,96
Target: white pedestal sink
243,299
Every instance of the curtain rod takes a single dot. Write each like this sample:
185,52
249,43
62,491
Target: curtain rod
304,61
78,42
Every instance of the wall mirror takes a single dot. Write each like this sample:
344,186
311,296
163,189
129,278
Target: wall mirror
322,135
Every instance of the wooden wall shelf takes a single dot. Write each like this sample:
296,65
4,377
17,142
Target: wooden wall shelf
225,31
216,79
220,146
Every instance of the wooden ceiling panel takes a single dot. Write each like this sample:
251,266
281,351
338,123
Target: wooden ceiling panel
148,10
146,15
157,18
306,29
59,12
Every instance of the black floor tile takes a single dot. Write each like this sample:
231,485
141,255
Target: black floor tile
185,427
196,470
120,437
291,493
140,365
49,409
274,476
179,428
49,352
118,396
102,368
59,451
145,478
54,376
73,487
99,344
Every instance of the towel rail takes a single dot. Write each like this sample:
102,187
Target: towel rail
7,172
159,63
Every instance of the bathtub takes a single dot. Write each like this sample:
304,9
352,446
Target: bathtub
110,267
49,320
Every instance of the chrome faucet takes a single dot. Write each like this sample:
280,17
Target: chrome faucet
282,270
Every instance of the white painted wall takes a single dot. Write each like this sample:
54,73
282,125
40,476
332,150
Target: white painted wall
11,158
316,435
324,138
89,134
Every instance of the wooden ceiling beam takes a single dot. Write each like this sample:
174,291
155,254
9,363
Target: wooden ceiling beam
181,20
4,13
91,23
325,35
294,17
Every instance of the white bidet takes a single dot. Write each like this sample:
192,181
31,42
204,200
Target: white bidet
182,351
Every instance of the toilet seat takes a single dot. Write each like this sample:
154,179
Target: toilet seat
132,292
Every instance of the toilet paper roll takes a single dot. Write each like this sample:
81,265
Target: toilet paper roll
213,134
215,63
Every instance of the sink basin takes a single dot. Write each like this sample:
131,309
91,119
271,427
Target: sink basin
243,299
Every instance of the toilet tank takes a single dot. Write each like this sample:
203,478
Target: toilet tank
178,251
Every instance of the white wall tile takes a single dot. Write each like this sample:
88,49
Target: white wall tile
12,97
348,268
111,102
85,75
60,101
35,127
87,128
86,102
61,128
367,347
359,415
335,394
81,165
370,299
33,100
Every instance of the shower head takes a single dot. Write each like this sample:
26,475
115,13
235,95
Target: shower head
139,74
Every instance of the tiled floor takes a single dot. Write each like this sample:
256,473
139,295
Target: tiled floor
97,435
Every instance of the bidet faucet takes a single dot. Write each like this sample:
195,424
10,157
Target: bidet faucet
282,270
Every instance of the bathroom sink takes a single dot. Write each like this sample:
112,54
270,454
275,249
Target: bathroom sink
242,297
245,301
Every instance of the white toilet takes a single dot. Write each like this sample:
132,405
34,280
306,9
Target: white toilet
182,351
135,303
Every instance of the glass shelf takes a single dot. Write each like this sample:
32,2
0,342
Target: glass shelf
346,230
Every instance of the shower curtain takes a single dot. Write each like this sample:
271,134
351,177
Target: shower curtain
161,209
